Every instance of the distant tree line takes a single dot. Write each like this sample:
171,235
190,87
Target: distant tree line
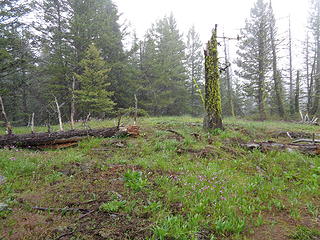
268,84
73,51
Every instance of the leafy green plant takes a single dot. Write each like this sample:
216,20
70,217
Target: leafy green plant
113,206
231,224
172,227
134,180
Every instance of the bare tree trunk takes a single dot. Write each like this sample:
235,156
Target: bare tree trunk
308,76
213,118
135,108
297,94
230,110
73,110
311,89
6,121
291,98
32,123
59,114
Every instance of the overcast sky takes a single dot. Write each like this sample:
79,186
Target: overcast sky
230,15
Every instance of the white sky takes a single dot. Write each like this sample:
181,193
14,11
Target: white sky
230,15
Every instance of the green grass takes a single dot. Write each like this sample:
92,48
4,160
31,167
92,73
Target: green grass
304,233
204,184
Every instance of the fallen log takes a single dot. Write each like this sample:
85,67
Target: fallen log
307,141
292,135
273,146
43,140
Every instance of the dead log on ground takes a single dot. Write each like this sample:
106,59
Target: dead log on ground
314,141
311,149
293,135
44,140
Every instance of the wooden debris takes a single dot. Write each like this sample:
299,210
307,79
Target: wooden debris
65,139
59,112
273,146
62,209
201,153
292,135
196,136
8,125
306,120
179,136
307,141
132,130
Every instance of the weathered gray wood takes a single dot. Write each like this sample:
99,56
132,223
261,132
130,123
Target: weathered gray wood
40,139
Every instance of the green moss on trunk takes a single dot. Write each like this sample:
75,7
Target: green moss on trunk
213,118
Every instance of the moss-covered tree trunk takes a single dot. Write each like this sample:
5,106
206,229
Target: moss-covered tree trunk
213,118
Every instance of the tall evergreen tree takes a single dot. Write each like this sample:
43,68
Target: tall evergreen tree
315,30
16,57
195,70
227,84
254,55
276,74
93,96
56,53
166,75
97,21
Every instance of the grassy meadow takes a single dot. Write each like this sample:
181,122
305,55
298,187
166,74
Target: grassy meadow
174,181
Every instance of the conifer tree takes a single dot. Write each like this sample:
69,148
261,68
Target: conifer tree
195,69
254,55
56,60
93,96
276,74
166,72
16,57
226,86
97,21
315,73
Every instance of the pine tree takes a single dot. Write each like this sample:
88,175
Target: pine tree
195,70
276,74
56,60
315,30
226,86
16,58
97,21
163,68
93,96
254,55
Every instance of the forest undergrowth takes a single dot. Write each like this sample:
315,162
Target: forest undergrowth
174,181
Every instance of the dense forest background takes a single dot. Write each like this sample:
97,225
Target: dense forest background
74,51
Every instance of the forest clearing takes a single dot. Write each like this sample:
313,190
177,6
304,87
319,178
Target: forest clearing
173,181
160,132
